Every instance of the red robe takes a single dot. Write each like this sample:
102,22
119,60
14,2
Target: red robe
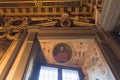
62,56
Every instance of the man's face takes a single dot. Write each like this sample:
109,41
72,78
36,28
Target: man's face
61,48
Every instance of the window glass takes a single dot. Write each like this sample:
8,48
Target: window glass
55,73
70,74
48,73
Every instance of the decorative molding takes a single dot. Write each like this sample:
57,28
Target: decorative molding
11,34
13,28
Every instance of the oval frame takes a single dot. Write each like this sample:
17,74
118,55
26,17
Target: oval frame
62,56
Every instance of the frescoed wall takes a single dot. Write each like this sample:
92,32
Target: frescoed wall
95,67
76,49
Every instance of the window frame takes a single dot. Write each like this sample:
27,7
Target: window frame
60,67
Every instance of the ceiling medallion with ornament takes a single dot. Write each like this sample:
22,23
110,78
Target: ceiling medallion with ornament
13,28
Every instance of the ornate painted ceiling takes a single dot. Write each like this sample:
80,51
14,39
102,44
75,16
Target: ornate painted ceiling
17,16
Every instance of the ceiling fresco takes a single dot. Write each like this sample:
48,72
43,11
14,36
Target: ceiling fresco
95,66
76,48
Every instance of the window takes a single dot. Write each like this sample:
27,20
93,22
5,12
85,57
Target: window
59,73
70,74
48,73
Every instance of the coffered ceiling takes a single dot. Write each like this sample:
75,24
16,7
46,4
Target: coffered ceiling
46,13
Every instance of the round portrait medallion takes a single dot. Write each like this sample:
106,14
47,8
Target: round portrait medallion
62,52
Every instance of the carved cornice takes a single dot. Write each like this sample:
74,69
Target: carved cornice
11,34
13,28
16,22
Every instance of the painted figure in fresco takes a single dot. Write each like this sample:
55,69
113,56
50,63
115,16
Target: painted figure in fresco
62,55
